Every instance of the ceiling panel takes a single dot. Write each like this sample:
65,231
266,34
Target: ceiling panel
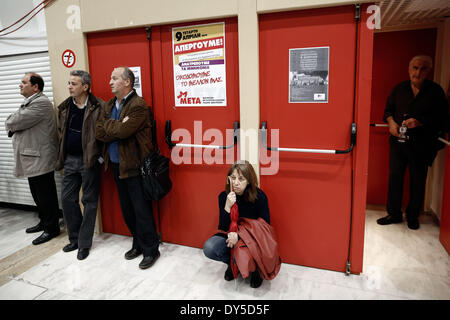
411,12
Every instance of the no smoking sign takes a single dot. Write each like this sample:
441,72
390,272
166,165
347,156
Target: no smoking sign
68,58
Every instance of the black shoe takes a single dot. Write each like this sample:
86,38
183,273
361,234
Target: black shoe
70,247
133,253
413,224
147,262
229,274
82,253
389,220
34,229
255,280
44,237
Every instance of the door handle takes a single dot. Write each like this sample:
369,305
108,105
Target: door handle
386,125
328,151
444,141
379,125
168,131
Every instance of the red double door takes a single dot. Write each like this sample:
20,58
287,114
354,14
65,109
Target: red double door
312,196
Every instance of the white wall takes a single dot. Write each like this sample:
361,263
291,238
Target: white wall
32,37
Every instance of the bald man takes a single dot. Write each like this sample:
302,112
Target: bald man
124,126
419,107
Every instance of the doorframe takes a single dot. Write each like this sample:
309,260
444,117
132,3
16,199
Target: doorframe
361,153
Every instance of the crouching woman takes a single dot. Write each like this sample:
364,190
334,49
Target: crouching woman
245,240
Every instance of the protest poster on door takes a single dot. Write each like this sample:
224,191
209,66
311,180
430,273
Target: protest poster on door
199,65
309,75
137,80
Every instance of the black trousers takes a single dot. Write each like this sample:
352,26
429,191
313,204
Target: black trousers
137,213
401,156
80,226
43,190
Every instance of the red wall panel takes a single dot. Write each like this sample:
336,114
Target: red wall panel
444,235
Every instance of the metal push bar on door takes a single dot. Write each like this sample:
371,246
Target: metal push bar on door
379,125
169,142
444,141
386,125
328,151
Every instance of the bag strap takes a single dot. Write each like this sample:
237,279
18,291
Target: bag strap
155,145
153,128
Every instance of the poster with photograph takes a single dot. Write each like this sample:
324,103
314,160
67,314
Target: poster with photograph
137,80
199,65
309,75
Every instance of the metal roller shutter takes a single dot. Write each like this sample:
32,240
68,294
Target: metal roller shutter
12,69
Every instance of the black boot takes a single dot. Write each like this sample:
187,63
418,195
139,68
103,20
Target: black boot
229,274
389,220
255,280
34,229
413,223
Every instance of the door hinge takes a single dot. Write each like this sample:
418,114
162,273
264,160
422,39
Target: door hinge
357,11
347,268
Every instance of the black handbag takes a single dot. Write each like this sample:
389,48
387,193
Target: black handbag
155,170
155,176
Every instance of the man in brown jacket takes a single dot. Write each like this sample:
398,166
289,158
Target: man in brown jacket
124,126
79,153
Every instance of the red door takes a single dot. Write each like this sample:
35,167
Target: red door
391,56
310,197
106,51
189,213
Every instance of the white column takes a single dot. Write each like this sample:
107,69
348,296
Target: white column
249,80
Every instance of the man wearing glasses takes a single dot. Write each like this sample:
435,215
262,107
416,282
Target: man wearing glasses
79,156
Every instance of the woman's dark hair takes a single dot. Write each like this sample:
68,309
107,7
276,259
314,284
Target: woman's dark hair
36,79
246,169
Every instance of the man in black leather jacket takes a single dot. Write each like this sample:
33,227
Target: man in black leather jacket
420,107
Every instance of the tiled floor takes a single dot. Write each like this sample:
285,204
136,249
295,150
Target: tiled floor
398,264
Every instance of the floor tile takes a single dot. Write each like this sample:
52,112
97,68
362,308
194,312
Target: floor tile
12,230
20,290
399,263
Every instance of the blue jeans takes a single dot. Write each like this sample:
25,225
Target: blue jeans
215,248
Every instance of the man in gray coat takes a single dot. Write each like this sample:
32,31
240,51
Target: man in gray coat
34,139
